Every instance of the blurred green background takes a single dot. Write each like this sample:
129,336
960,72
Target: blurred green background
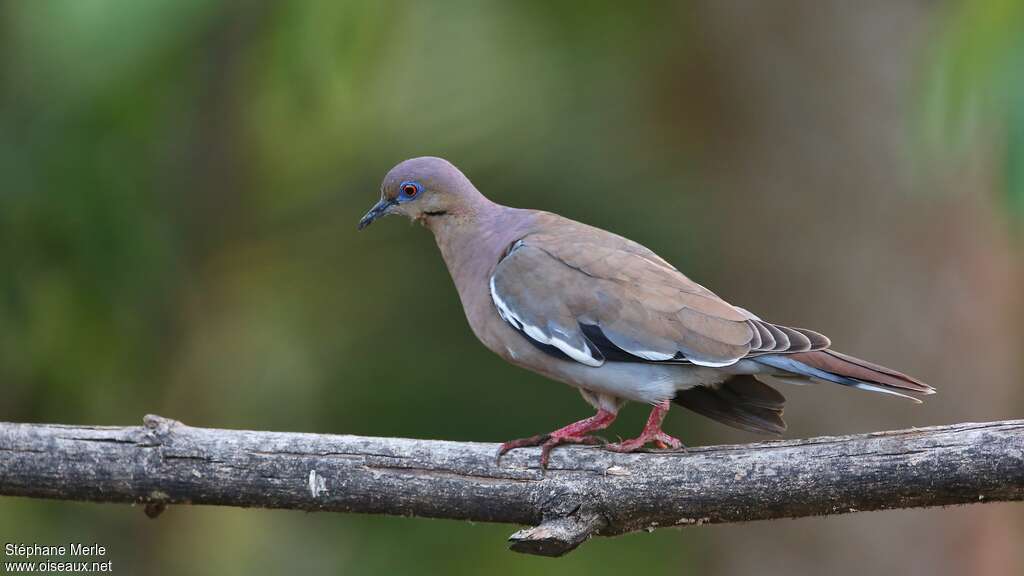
181,181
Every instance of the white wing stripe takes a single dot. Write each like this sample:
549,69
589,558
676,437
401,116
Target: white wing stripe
651,355
583,356
712,364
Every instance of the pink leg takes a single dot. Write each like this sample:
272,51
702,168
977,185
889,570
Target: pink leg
575,433
652,433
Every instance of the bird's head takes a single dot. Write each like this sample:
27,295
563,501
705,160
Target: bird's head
423,189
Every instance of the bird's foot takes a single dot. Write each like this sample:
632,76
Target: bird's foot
660,440
575,433
652,433
547,442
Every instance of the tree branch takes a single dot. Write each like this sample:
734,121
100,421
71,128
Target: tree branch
586,490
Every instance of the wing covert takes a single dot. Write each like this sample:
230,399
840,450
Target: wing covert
596,300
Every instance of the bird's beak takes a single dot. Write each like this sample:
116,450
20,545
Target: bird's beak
379,209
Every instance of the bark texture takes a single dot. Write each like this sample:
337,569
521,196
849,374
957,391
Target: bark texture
585,491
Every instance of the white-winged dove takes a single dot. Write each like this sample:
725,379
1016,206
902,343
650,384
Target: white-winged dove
608,316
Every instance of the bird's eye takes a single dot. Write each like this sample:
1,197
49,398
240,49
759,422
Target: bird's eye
410,190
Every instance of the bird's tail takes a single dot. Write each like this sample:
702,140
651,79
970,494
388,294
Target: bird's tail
837,367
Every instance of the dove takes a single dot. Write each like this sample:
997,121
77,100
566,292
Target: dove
609,317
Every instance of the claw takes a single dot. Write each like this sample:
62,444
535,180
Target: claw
575,433
652,433
547,447
661,440
520,443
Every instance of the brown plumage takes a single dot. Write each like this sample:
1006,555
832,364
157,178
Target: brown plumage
641,302
610,317
845,365
742,402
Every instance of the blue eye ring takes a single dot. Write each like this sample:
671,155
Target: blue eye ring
409,190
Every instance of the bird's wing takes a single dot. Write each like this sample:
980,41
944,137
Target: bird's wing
595,296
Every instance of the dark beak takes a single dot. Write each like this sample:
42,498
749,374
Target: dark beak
379,209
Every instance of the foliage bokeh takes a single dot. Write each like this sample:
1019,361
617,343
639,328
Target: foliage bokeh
182,181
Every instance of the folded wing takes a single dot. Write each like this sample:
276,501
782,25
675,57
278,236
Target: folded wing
593,296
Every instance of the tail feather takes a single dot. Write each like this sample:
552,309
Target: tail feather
849,371
741,402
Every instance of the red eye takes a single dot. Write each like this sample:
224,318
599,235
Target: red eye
409,190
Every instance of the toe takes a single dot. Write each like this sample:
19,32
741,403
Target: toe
537,440
624,446
665,442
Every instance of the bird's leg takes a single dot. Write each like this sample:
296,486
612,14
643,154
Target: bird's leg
575,433
652,433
